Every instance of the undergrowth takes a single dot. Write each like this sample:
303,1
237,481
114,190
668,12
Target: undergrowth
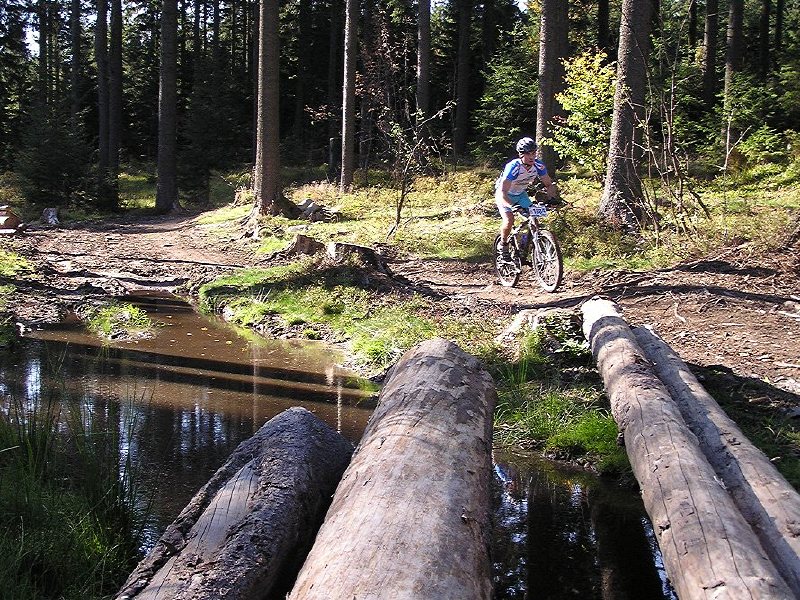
68,526
550,397
340,304
119,320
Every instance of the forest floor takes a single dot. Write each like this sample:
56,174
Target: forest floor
736,313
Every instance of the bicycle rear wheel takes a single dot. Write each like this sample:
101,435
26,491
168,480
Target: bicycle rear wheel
507,271
547,261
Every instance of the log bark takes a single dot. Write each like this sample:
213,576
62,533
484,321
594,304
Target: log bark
766,500
247,530
409,519
709,549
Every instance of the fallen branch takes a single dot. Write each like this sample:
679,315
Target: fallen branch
410,517
766,500
249,527
709,549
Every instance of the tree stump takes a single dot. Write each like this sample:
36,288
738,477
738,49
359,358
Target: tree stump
766,500
709,549
248,529
409,519
336,252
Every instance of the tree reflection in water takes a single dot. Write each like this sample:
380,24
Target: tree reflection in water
561,533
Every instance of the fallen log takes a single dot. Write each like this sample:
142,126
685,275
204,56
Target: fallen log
247,530
409,519
766,500
709,549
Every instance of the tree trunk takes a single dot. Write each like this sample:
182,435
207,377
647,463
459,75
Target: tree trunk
334,82
733,64
423,59
552,51
780,8
75,67
621,204
101,59
763,40
246,532
410,515
464,8
114,102
349,94
709,549
765,499
367,108
255,50
269,199
692,26
43,14
167,184
603,18
710,54
305,33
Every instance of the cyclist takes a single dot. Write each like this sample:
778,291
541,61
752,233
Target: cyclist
511,187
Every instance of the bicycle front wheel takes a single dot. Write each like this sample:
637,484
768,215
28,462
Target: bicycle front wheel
507,271
547,261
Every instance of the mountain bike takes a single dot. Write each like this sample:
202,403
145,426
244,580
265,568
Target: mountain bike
530,244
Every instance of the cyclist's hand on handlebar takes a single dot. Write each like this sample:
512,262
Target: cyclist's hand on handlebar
554,202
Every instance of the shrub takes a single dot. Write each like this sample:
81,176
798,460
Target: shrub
53,164
764,145
588,100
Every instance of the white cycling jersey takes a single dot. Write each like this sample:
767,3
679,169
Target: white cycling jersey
520,175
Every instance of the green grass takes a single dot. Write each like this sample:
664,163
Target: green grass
137,190
116,320
12,264
324,303
67,523
550,398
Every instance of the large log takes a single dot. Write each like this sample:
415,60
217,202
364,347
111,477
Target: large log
768,502
248,529
709,549
409,519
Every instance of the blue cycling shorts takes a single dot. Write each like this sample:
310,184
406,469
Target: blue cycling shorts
522,199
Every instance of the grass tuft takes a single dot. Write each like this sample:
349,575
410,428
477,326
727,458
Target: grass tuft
113,321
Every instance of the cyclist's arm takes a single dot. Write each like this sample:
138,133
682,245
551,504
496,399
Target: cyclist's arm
549,185
504,189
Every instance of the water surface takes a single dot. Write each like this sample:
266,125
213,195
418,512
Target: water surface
183,400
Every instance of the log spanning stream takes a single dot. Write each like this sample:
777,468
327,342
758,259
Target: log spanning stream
191,394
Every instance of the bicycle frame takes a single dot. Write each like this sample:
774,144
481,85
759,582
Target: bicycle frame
532,244
529,221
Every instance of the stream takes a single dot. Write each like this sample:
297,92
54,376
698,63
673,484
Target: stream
184,399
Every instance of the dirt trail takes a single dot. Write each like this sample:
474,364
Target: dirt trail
737,310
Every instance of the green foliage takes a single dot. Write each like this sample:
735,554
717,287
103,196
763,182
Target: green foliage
748,103
119,321
53,164
582,136
764,145
210,131
67,525
15,72
789,89
12,264
507,109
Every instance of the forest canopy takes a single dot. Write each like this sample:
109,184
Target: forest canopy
87,86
